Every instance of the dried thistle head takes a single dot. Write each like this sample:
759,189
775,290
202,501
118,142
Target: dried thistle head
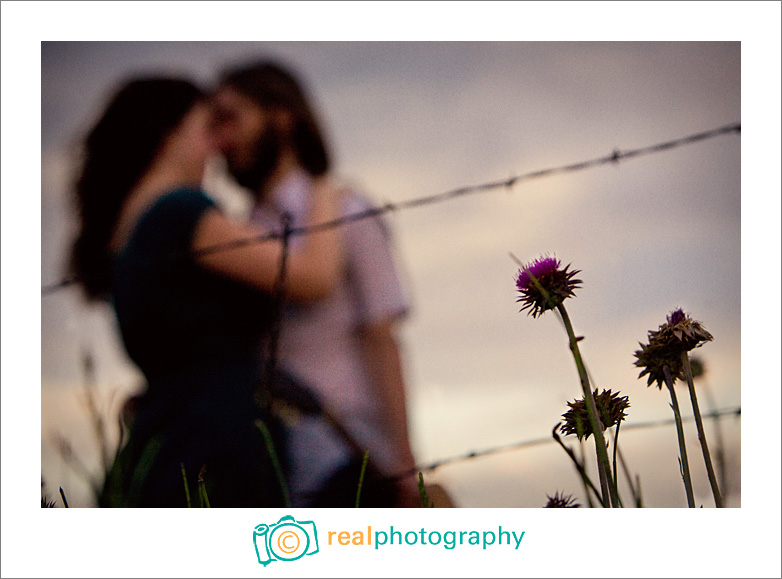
682,333
678,334
561,501
544,284
610,409
652,357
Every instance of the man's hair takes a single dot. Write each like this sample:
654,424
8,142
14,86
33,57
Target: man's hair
272,87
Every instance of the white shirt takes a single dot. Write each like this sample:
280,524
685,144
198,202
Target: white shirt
319,344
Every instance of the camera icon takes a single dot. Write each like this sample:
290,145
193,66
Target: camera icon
285,540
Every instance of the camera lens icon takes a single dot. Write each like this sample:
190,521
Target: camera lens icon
285,540
289,542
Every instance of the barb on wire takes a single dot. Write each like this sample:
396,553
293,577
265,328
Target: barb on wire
614,157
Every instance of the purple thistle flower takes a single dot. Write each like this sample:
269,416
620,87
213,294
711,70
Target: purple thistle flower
676,317
537,268
544,284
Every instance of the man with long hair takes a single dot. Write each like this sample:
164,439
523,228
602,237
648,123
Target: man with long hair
343,348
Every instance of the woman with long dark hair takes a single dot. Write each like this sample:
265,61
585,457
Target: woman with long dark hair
190,316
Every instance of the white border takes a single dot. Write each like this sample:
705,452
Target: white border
91,543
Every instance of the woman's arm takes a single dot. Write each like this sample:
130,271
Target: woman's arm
313,267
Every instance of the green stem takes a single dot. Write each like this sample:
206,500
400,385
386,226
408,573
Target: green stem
202,496
715,489
680,432
615,478
580,468
425,502
64,500
187,488
720,447
583,461
361,476
267,439
636,493
603,465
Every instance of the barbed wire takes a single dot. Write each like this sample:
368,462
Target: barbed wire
520,445
540,441
616,156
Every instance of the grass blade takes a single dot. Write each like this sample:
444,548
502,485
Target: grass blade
361,476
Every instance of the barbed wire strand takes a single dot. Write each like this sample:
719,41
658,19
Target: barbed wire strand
616,156
540,441
520,445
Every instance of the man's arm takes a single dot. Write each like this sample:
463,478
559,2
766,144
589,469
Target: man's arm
385,366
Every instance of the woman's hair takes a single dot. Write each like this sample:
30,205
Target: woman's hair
272,87
117,152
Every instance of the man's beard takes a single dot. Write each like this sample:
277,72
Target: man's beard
266,155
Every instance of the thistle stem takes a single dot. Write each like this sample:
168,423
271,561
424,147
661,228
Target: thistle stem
635,491
701,433
680,432
603,464
603,477
720,447
615,478
580,468
583,461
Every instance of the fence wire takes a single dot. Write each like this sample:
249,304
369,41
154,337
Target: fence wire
716,415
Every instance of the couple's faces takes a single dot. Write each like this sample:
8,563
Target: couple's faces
248,137
234,125
237,124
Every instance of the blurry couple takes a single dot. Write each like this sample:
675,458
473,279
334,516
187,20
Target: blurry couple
199,316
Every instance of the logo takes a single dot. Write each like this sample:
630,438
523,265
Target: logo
285,540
